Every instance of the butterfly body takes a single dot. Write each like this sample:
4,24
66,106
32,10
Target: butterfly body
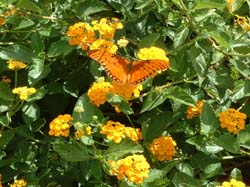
127,72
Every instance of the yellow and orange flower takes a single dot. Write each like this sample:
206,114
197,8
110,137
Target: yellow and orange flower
232,120
60,125
19,183
163,148
195,111
116,131
135,168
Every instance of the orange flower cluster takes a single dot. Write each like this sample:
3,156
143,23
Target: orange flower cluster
60,125
195,111
232,120
244,22
99,90
233,183
84,34
135,168
19,183
163,148
230,5
116,131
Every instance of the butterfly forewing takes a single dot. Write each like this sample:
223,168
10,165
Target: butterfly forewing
142,69
115,66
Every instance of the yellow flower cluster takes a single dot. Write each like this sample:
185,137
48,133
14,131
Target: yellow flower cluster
244,22
152,53
194,111
230,5
24,92
135,168
163,148
116,131
6,79
233,183
126,91
81,132
84,34
19,183
122,42
99,90
15,65
232,120
60,125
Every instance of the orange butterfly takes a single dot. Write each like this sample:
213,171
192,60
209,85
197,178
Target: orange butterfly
125,72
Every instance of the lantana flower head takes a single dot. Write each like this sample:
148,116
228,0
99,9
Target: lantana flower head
60,125
117,131
152,53
104,44
126,91
163,148
98,91
233,120
18,183
244,22
194,111
24,92
233,183
135,168
15,65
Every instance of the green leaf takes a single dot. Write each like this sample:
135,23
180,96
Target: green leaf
184,180
181,36
212,170
89,7
156,125
149,40
242,67
203,144
72,151
28,5
4,121
242,89
121,103
221,38
31,112
58,48
16,52
229,143
22,23
236,174
37,70
198,60
244,135
158,96
37,44
84,110
209,121
5,92
6,137
243,48
209,4
140,4
185,168
127,146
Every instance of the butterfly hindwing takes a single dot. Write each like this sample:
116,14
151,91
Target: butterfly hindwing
115,65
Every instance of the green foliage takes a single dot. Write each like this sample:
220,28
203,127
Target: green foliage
209,56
